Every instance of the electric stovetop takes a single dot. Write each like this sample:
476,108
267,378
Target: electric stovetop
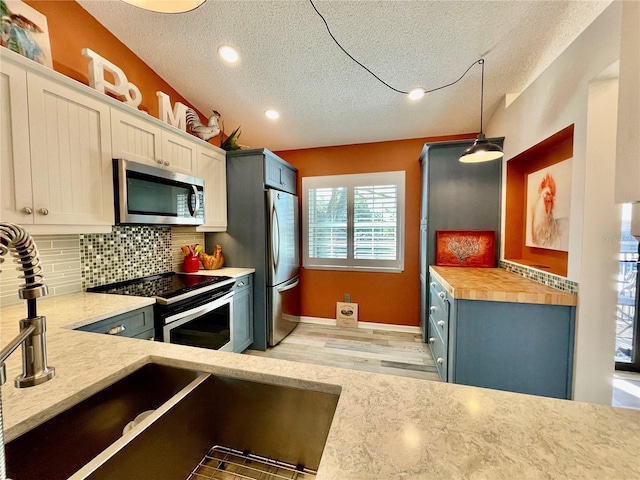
165,286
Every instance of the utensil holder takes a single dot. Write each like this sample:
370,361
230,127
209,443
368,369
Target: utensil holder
190,264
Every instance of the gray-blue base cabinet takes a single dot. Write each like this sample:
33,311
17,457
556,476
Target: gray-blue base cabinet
518,347
242,329
135,324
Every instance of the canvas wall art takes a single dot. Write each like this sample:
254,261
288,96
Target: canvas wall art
24,30
548,207
466,248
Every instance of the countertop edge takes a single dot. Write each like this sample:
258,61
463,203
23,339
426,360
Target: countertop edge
546,295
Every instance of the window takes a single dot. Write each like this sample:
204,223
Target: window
354,221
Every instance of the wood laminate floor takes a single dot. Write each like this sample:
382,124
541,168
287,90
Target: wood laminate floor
379,351
392,353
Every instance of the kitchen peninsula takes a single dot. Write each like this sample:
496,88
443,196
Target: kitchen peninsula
495,329
384,427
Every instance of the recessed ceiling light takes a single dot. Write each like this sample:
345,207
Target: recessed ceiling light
272,114
228,54
416,94
166,6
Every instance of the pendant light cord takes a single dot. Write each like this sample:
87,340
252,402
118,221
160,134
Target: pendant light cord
481,62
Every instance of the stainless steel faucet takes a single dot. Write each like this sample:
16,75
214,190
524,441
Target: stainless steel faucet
15,239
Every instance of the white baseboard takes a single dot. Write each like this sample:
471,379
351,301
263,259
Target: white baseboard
370,325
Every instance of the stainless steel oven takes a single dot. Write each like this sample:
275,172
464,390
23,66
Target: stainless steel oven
195,310
202,321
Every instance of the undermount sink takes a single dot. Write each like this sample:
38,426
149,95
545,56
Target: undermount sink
193,412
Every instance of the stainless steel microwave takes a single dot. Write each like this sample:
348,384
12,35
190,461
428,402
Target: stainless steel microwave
146,195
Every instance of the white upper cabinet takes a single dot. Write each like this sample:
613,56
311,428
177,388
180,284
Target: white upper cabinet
15,156
179,153
58,139
135,138
212,167
57,172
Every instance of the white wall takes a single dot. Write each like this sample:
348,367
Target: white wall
571,91
594,360
628,160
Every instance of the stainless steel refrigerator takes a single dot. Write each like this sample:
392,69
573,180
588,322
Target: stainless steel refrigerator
283,272
263,233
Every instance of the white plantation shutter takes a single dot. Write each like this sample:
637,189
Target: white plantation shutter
328,223
375,222
354,221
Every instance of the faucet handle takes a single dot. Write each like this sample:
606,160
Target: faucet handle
34,364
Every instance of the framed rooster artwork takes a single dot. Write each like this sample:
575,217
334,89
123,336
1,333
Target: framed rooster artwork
549,206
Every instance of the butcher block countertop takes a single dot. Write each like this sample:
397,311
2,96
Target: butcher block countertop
498,285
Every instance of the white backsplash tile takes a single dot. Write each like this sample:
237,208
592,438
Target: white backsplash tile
61,266
183,236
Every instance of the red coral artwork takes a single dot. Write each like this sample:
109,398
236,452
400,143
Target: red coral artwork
466,248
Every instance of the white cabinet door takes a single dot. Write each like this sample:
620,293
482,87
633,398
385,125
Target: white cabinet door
179,153
15,158
212,167
70,155
135,139
139,140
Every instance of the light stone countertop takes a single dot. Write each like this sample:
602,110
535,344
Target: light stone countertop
226,271
384,427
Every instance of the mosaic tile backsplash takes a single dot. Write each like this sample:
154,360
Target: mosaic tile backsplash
124,254
72,263
549,279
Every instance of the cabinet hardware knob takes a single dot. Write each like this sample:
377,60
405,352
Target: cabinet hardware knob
440,360
116,330
432,308
432,339
43,211
167,164
27,210
441,294
433,284
241,284
441,323
159,161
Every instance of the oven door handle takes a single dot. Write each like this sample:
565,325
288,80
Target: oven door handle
217,303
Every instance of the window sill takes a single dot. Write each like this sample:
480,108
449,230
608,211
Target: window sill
339,268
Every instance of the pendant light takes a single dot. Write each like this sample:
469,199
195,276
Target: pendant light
482,150
166,6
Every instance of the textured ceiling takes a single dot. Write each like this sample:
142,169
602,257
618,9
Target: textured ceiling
288,61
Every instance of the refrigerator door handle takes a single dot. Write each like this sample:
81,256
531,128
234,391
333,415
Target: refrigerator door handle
275,238
289,286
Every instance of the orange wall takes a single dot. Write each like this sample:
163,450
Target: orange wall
71,29
392,298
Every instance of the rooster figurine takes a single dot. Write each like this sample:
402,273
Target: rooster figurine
212,262
205,132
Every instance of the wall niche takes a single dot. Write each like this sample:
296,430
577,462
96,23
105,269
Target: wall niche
549,152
